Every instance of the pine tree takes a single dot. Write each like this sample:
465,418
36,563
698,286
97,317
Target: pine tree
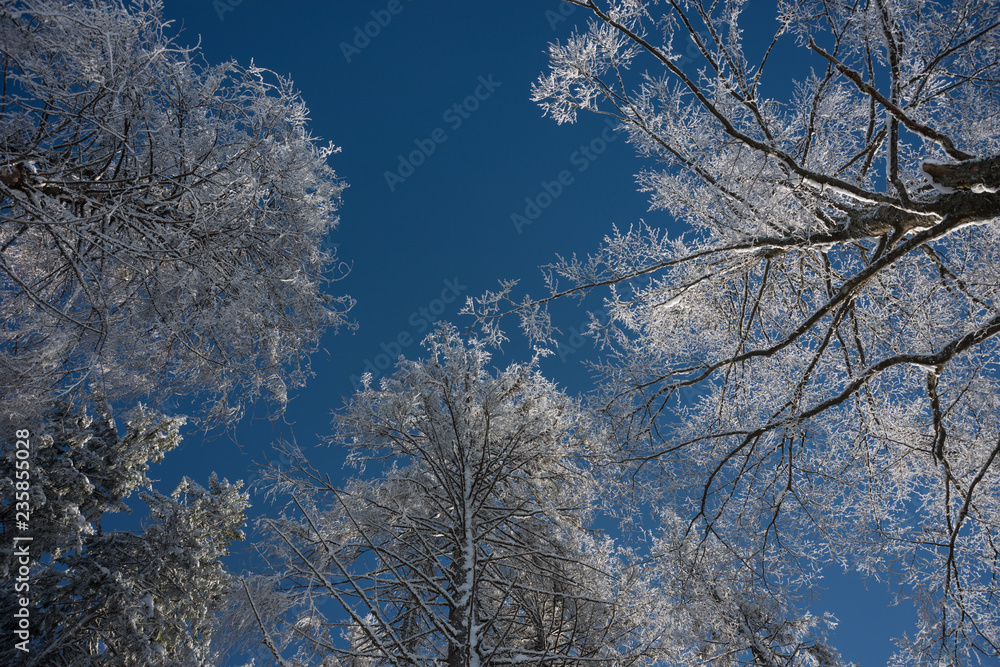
115,597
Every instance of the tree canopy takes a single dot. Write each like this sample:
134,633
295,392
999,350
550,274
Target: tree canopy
467,542
162,221
810,370
101,596
805,377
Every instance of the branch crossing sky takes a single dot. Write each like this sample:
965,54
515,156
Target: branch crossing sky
455,181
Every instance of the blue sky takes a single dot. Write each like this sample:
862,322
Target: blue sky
441,148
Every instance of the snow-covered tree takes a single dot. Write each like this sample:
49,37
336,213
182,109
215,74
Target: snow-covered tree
715,613
114,597
79,469
162,221
811,368
468,542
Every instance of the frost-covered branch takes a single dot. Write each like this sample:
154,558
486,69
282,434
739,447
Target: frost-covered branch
806,373
162,221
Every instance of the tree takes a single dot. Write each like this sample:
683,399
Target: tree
811,366
114,597
719,616
79,468
161,220
470,546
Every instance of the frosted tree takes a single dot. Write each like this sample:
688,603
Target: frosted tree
468,541
162,221
79,469
714,613
811,366
114,597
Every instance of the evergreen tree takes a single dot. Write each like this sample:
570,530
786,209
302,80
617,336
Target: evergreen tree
113,597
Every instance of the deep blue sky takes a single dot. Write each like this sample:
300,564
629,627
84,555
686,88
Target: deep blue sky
445,231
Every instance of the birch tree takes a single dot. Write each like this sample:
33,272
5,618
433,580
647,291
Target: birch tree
161,220
811,366
468,541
